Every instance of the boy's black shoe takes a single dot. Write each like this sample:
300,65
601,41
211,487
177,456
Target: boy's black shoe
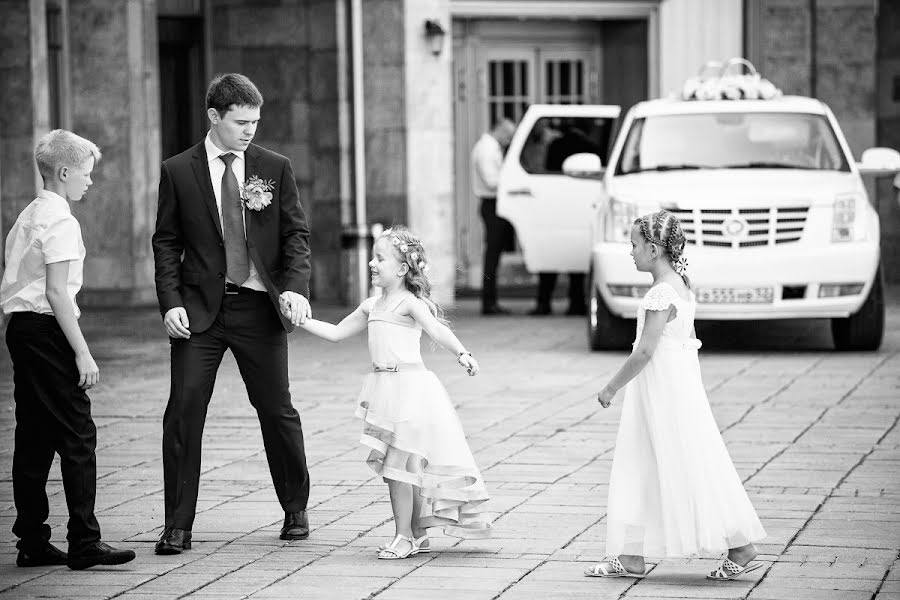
296,526
99,553
49,555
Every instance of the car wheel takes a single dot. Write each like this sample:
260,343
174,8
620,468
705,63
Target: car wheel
863,330
606,331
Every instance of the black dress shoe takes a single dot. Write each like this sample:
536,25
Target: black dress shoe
99,553
296,526
173,541
45,557
577,311
495,310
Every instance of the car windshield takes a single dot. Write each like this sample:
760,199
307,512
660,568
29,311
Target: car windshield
750,140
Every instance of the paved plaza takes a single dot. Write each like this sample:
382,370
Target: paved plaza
812,432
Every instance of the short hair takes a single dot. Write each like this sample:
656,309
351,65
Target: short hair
61,148
232,89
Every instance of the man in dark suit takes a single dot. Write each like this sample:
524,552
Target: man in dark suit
231,249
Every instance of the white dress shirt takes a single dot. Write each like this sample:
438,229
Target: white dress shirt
487,158
45,233
216,170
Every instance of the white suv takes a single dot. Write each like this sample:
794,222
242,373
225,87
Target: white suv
775,211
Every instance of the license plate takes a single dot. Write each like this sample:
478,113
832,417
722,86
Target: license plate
749,295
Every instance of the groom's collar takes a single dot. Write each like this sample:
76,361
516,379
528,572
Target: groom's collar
213,152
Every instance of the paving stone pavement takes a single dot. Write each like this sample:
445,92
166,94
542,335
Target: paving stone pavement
812,432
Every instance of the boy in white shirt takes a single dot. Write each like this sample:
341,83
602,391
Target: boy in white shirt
51,361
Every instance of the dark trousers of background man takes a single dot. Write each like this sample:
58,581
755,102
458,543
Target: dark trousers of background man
498,237
53,416
249,326
546,283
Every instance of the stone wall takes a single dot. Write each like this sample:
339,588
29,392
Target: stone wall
115,103
23,96
287,48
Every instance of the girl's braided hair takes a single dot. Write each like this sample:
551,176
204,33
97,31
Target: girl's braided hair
409,250
664,229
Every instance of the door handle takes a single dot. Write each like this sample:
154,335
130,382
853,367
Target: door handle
520,192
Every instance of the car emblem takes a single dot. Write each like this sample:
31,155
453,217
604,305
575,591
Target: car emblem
734,228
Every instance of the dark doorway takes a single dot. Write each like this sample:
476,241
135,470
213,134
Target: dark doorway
181,83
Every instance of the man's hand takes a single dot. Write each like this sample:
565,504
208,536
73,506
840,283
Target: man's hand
295,307
88,372
176,322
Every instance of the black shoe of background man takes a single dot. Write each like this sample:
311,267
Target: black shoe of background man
577,310
495,310
296,526
47,556
541,310
173,541
99,553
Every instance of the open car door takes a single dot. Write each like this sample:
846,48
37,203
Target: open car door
551,212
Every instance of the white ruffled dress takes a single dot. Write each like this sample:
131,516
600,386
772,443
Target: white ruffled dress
413,431
673,490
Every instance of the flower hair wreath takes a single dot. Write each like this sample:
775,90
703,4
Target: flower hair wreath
412,259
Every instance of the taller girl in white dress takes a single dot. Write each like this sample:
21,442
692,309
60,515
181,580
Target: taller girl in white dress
416,440
673,490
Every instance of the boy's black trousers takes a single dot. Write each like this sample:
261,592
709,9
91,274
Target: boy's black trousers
53,416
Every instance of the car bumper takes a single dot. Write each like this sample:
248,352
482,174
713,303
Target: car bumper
779,268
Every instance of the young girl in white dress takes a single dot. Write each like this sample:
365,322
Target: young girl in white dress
673,490
416,439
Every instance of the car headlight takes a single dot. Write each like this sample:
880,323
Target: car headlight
844,225
619,220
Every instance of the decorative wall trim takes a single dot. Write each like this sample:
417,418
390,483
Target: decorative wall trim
597,9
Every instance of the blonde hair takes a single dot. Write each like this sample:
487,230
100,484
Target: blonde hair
409,250
61,148
664,229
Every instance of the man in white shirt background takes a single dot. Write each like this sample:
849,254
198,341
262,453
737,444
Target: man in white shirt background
487,158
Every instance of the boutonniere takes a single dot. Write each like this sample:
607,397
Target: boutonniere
256,193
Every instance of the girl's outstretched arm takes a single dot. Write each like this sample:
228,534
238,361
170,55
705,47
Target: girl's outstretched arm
654,323
441,334
349,326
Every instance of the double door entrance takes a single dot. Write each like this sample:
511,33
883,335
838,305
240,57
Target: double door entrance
501,68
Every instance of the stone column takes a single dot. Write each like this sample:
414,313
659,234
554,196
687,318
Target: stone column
24,98
427,80
115,97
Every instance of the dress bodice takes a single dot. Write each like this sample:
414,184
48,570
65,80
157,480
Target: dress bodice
393,338
660,297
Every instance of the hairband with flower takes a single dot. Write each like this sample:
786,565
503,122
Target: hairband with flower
403,247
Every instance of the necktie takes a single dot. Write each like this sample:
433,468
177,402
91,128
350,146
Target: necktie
236,260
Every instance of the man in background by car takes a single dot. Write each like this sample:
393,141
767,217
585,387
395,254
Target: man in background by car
487,158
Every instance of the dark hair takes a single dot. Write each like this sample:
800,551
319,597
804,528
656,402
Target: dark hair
232,89
664,229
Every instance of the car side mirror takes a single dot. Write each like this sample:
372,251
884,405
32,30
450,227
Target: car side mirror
584,165
879,161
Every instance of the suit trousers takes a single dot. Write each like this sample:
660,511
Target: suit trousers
248,325
546,283
53,416
497,233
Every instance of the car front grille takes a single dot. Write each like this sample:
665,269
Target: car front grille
742,227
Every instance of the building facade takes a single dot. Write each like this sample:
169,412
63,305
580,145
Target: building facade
377,102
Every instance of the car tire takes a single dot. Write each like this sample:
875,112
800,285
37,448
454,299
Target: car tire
863,330
606,331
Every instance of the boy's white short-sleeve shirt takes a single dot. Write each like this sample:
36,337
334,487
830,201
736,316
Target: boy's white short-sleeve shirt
45,233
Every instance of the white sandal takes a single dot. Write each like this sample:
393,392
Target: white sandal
390,552
417,542
728,570
600,570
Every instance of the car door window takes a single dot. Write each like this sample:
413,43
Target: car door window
553,139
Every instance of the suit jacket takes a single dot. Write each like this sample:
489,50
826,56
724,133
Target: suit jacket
188,246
